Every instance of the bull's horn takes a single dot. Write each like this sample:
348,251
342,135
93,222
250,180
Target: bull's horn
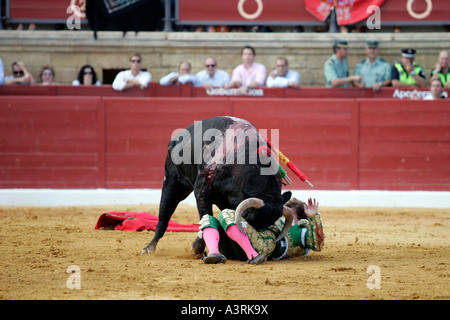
287,213
245,204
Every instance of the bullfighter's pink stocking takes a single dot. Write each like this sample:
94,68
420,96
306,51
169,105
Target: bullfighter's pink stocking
243,241
211,237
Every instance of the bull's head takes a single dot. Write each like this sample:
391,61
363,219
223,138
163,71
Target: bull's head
258,203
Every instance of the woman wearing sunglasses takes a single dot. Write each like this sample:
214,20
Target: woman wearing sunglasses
87,76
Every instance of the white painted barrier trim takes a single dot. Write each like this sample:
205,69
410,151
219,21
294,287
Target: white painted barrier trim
326,198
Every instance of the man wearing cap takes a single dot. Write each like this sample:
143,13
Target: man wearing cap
335,70
407,73
375,72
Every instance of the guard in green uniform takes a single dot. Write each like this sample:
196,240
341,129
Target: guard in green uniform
406,72
375,72
335,70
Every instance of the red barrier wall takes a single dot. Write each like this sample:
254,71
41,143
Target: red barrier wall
156,90
50,142
121,142
404,146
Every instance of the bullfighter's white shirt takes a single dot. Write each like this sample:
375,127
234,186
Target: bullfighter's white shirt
144,78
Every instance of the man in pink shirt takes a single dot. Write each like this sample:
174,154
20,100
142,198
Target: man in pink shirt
249,74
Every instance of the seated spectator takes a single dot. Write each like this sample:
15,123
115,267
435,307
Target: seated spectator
133,77
211,76
407,73
20,75
87,76
47,76
442,69
182,76
335,70
282,77
436,91
2,72
249,74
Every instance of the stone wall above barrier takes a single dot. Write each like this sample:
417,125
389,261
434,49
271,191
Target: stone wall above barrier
68,51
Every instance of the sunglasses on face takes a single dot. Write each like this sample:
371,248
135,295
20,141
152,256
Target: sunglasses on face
18,72
47,74
210,65
136,61
88,72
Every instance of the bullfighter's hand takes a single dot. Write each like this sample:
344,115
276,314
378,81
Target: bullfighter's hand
311,208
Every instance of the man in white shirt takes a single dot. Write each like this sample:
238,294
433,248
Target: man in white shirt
211,76
282,77
183,75
133,77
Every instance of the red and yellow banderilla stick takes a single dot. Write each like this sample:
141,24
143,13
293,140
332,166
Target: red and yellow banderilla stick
290,164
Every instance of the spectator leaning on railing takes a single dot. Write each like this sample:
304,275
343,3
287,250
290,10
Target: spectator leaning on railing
375,72
406,73
20,75
249,74
282,77
335,69
133,77
182,76
436,91
442,69
2,72
211,76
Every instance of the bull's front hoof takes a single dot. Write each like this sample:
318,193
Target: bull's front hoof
198,248
148,249
144,251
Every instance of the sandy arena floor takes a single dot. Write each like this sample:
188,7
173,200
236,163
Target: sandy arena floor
409,247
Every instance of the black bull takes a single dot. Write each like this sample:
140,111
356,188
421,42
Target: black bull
219,160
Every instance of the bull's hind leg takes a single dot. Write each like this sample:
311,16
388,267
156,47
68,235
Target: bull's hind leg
172,194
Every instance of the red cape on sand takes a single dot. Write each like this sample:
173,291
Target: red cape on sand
138,221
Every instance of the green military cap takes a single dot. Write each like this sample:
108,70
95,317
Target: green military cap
340,43
372,44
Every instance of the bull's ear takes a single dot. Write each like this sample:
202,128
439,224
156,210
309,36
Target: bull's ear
286,196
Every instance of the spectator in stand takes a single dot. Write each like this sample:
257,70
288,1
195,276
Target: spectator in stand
87,76
249,74
407,73
436,89
442,69
182,76
20,75
282,77
375,72
2,72
211,76
335,69
133,77
47,76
